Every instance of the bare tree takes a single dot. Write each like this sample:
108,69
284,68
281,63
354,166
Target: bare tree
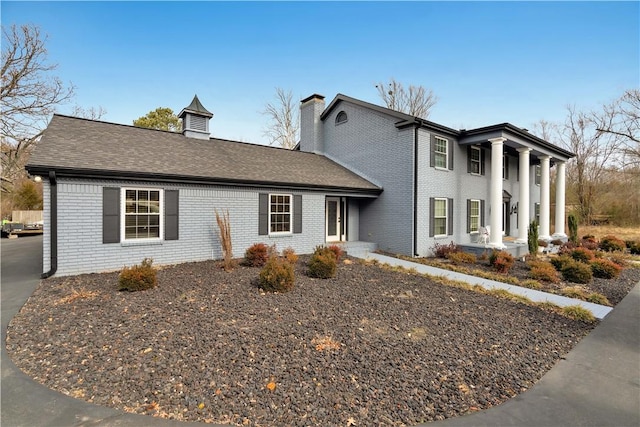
284,120
414,100
28,96
622,118
91,113
594,152
545,129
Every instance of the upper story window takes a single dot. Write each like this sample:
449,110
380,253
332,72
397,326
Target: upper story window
538,174
341,117
505,166
280,213
474,160
142,213
441,152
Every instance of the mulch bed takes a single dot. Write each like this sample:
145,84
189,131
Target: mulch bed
614,289
368,347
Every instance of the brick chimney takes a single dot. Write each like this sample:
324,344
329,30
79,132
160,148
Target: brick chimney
311,135
195,120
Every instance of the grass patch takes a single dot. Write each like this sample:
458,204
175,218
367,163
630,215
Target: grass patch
578,313
76,295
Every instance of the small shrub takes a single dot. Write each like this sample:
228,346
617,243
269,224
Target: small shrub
578,313
566,248
544,271
441,250
138,278
462,258
619,259
543,243
612,243
502,261
577,272
589,242
634,247
605,269
557,242
582,254
597,298
322,263
337,251
290,255
256,255
276,275
560,261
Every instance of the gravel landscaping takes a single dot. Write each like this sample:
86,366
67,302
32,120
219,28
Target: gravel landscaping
369,347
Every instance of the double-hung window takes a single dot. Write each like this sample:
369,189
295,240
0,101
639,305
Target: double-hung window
538,174
474,216
474,160
143,216
280,213
441,152
440,217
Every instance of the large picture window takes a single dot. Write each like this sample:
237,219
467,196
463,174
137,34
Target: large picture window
279,213
142,213
440,152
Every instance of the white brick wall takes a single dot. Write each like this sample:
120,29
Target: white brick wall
80,247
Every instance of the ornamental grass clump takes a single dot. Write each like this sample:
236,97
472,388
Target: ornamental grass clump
612,244
322,264
605,269
502,261
577,312
577,272
138,277
277,275
256,255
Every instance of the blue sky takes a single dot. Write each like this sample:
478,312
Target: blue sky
488,62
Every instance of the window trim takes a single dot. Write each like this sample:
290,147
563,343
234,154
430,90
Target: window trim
479,161
290,213
123,215
537,177
479,216
446,217
436,152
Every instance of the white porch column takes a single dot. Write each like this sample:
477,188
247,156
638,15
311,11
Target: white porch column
560,200
544,198
495,238
523,203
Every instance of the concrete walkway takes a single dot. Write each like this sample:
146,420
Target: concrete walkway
599,311
598,384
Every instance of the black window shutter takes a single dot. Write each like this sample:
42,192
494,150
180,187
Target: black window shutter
110,215
482,161
432,151
469,159
450,152
450,217
263,214
171,214
468,216
297,213
506,167
482,212
432,202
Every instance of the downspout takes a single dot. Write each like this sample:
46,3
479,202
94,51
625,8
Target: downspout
415,191
53,226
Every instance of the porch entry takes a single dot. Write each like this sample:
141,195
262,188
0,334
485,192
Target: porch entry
336,218
506,213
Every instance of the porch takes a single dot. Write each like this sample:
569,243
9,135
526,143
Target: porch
358,249
518,250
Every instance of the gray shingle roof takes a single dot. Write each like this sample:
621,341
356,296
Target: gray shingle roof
81,147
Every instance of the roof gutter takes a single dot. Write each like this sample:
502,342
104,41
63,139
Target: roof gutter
53,226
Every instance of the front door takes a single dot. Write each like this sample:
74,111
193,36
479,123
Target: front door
333,219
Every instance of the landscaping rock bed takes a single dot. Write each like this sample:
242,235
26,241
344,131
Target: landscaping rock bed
368,347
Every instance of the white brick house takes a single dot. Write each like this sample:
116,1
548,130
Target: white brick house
115,194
